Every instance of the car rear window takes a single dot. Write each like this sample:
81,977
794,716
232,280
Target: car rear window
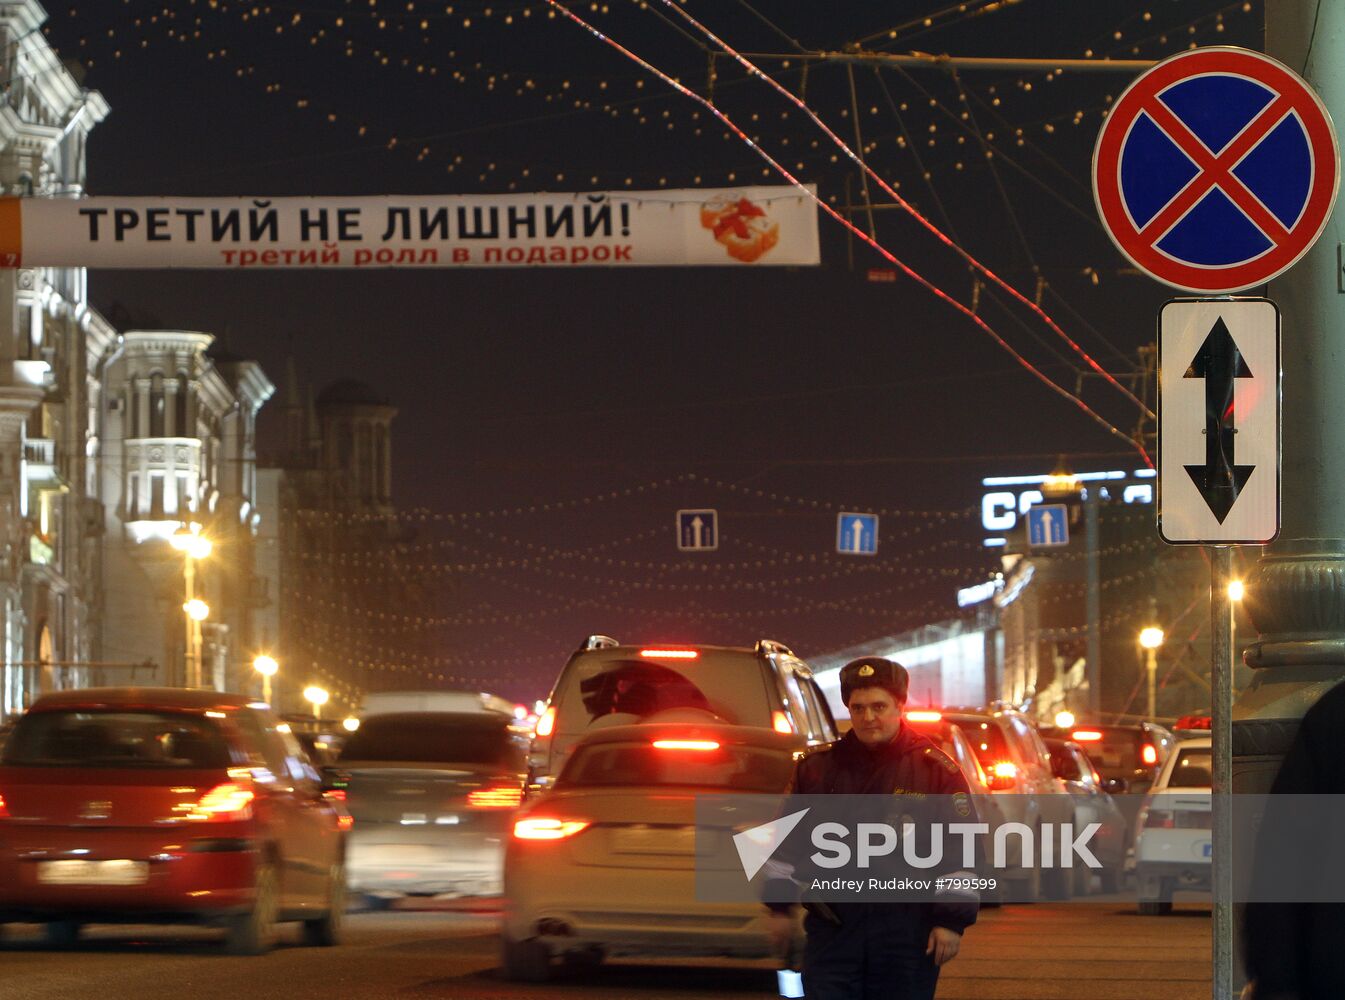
434,738
730,687
986,740
120,739
737,769
1193,769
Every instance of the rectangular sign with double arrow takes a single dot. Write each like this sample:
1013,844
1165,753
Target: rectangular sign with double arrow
1219,421
698,530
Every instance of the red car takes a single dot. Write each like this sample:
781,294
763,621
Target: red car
161,805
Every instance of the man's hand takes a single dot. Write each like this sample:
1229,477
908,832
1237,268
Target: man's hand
943,944
781,927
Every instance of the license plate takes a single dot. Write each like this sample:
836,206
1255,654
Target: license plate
655,841
80,872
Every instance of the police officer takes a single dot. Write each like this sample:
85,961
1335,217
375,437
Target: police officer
867,951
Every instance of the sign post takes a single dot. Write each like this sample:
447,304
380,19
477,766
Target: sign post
1216,171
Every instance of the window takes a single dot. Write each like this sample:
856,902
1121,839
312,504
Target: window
116,739
1193,770
730,768
156,407
156,494
434,738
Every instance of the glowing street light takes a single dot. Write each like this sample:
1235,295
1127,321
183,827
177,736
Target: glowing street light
1236,590
266,665
193,545
1151,638
1064,720
350,723
317,696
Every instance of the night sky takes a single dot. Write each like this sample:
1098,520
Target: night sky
523,388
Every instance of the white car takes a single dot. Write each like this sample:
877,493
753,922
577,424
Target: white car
604,863
1175,838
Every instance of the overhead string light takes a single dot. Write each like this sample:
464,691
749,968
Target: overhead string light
907,207
863,236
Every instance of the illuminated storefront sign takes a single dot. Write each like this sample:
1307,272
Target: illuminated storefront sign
1007,498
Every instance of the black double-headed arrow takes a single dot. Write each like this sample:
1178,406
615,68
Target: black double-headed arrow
1219,363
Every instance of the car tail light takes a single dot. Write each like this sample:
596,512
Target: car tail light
547,722
1003,776
1149,755
1086,735
1158,819
4,809
547,828
923,716
335,795
224,803
781,723
686,745
670,654
496,797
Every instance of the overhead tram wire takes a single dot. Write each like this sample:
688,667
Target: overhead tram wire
883,251
911,210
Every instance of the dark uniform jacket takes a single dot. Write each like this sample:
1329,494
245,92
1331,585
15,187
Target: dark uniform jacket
1298,949
909,764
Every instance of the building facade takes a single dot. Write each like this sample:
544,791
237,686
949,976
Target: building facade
109,441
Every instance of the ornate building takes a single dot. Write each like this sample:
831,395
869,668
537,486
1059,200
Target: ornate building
108,442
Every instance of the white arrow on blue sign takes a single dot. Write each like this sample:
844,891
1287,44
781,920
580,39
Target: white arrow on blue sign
857,534
697,530
1047,525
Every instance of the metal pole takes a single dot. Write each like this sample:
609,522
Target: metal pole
266,688
925,60
190,651
1093,604
1221,736
1151,668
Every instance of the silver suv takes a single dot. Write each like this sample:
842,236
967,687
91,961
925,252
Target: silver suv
606,683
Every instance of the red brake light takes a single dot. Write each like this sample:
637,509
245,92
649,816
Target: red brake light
546,828
4,809
229,802
496,797
547,722
919,715
686,745
1149,755
781,723
670,654
335,795
1003,776
1086,735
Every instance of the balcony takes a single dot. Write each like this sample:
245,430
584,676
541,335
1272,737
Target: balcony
39,457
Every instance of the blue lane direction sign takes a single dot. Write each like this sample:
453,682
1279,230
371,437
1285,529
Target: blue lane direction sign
1048,525
857,534
697,530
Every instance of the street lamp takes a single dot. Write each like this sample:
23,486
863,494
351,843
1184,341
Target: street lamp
350,723
193,545
1151,638
1064,720
266,665
1236,590
317,696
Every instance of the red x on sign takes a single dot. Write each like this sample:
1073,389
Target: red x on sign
1216,170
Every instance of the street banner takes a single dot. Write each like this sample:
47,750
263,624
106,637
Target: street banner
735,227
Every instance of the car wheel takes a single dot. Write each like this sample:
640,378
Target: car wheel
62,933
253,933
1057,883
325,931
525,961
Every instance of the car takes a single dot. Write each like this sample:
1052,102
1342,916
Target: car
320,738
1018,770
1128,757
950,738
1175,840
433,796
1092,804
163,805
604,863
605,683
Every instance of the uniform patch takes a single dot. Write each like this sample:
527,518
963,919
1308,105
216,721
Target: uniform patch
948,764
866,671
961,804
